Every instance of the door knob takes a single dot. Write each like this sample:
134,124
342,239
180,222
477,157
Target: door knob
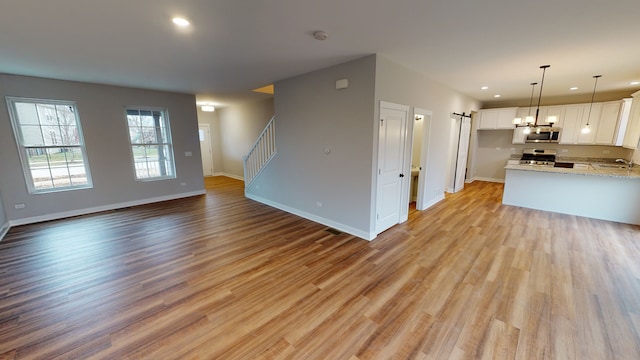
401,175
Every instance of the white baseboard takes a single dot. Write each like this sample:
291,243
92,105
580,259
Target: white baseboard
433,202
233,176
66,214
4,230
320,220
488,179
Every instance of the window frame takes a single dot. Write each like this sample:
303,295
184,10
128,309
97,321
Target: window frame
169,143
11,102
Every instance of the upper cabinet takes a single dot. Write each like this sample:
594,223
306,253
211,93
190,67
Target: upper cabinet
610,123
496,119
632,134
603,120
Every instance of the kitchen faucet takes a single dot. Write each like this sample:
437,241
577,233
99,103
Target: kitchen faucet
629,163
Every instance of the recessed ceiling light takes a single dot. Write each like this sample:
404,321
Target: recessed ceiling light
208,108
634,83
182,22
484,88
573,88
497,95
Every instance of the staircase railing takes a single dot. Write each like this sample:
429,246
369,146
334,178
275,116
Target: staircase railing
261,153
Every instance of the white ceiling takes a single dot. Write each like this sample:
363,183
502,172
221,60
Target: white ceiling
237,45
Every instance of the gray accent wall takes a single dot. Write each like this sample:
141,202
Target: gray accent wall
313,118
4,222
101,111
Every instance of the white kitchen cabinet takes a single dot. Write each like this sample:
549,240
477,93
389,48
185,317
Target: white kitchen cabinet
590,116
519,136
572,123
623,121
496,119
632,135
603,121
557,111
608,123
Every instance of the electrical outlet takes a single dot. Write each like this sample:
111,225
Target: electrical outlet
319,204
19,206
183,184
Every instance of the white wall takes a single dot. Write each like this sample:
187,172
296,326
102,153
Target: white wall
311,116
494,148
398,84
101,111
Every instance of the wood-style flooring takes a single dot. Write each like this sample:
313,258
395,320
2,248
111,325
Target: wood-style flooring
222,277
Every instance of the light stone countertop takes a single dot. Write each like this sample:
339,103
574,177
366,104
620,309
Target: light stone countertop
582,169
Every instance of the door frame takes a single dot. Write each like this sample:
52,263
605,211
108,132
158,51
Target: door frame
424,156
210,147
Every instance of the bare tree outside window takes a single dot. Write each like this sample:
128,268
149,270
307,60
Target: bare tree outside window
51,146
151,146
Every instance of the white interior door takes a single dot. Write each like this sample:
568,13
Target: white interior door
204,134
391,177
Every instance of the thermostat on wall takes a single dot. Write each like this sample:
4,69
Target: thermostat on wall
342,84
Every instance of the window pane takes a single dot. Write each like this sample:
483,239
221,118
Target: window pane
39,167
52,135
31,135
147,120
47,114
148,135
135,135
69,135
27,113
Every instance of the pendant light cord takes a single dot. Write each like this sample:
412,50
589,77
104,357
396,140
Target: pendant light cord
592,97
533,87
544,69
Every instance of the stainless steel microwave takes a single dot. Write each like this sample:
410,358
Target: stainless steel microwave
542,134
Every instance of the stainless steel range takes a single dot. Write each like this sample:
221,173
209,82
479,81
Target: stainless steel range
538,157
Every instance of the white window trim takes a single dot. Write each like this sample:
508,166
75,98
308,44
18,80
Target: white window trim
165,114
24,162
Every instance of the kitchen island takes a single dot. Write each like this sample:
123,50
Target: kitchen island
604,192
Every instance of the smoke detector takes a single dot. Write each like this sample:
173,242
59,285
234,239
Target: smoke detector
320,35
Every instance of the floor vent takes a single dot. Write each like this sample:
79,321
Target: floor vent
334,231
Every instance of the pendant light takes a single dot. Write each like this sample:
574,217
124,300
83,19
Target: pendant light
586,129
530,120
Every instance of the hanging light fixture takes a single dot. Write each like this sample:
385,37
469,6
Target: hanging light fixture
586,129
530,120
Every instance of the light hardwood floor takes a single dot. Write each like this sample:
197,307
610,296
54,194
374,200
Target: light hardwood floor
223,277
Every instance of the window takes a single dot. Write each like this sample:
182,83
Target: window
150,143
50,143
